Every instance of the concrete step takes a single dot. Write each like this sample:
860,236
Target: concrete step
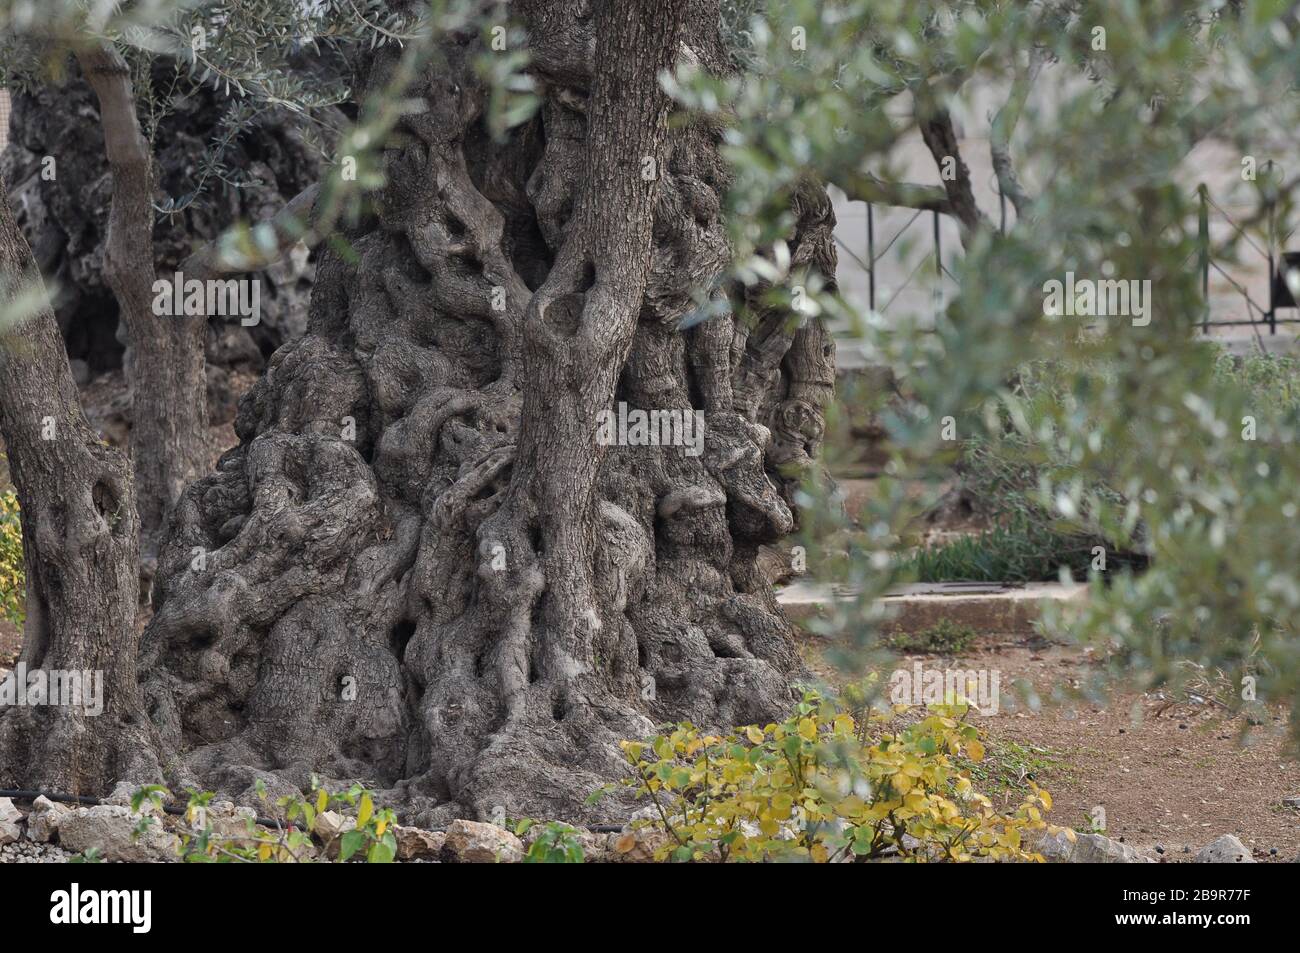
1007,609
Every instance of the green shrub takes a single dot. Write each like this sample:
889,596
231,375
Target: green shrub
943,638
556,844
1026,550
835,781
13,579
1003,476
1272,380
371,838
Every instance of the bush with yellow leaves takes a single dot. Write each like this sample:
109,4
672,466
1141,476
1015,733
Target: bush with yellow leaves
13,580
837,781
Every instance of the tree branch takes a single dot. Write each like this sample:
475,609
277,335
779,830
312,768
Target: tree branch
1004,125
865,187
940,138
128,253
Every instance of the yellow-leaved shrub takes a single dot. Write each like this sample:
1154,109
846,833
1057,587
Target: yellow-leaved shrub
836,781
13,580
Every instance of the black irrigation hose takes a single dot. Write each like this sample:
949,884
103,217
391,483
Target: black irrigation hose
180,811
95,801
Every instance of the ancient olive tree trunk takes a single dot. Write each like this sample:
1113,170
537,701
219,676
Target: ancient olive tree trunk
422,566
80,551
169,415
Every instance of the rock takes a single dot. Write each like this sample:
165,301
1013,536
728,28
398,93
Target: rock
414,843
1057,848
44,820
111,828
330,825
329,830
1226,850
472,842
28,852
1291,802
9,818
121,794
80,371
229,823
635,846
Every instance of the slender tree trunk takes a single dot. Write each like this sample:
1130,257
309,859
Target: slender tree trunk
80,551
169,417
421,566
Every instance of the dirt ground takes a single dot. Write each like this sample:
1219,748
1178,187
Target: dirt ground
1170,775
1170,778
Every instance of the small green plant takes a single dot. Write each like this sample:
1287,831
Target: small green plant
91,855
835,781
371,835
556,844
1023,550
13,578
1092,824
945,637
1011,768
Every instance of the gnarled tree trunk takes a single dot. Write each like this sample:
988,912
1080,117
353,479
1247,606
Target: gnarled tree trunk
80,549
169,410
420,567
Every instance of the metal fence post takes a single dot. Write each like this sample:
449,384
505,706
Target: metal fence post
1272,298
871,257
1203,238
938,267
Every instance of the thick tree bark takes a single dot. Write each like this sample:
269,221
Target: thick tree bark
420,567
65,216
169,389
80,550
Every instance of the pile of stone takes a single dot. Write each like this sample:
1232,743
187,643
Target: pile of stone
50,832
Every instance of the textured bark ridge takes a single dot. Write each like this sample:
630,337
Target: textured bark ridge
419,568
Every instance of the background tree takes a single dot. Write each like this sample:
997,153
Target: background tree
80,538
79,520
247,46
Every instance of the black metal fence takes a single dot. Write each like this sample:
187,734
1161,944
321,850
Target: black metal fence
1258,315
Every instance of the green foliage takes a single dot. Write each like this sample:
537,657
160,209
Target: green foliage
834,781
1151,455
1271,380
945,637
1003,474
13,579
1023,551
1006,472
737,31
1010,768
267,63
371,837
556,844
